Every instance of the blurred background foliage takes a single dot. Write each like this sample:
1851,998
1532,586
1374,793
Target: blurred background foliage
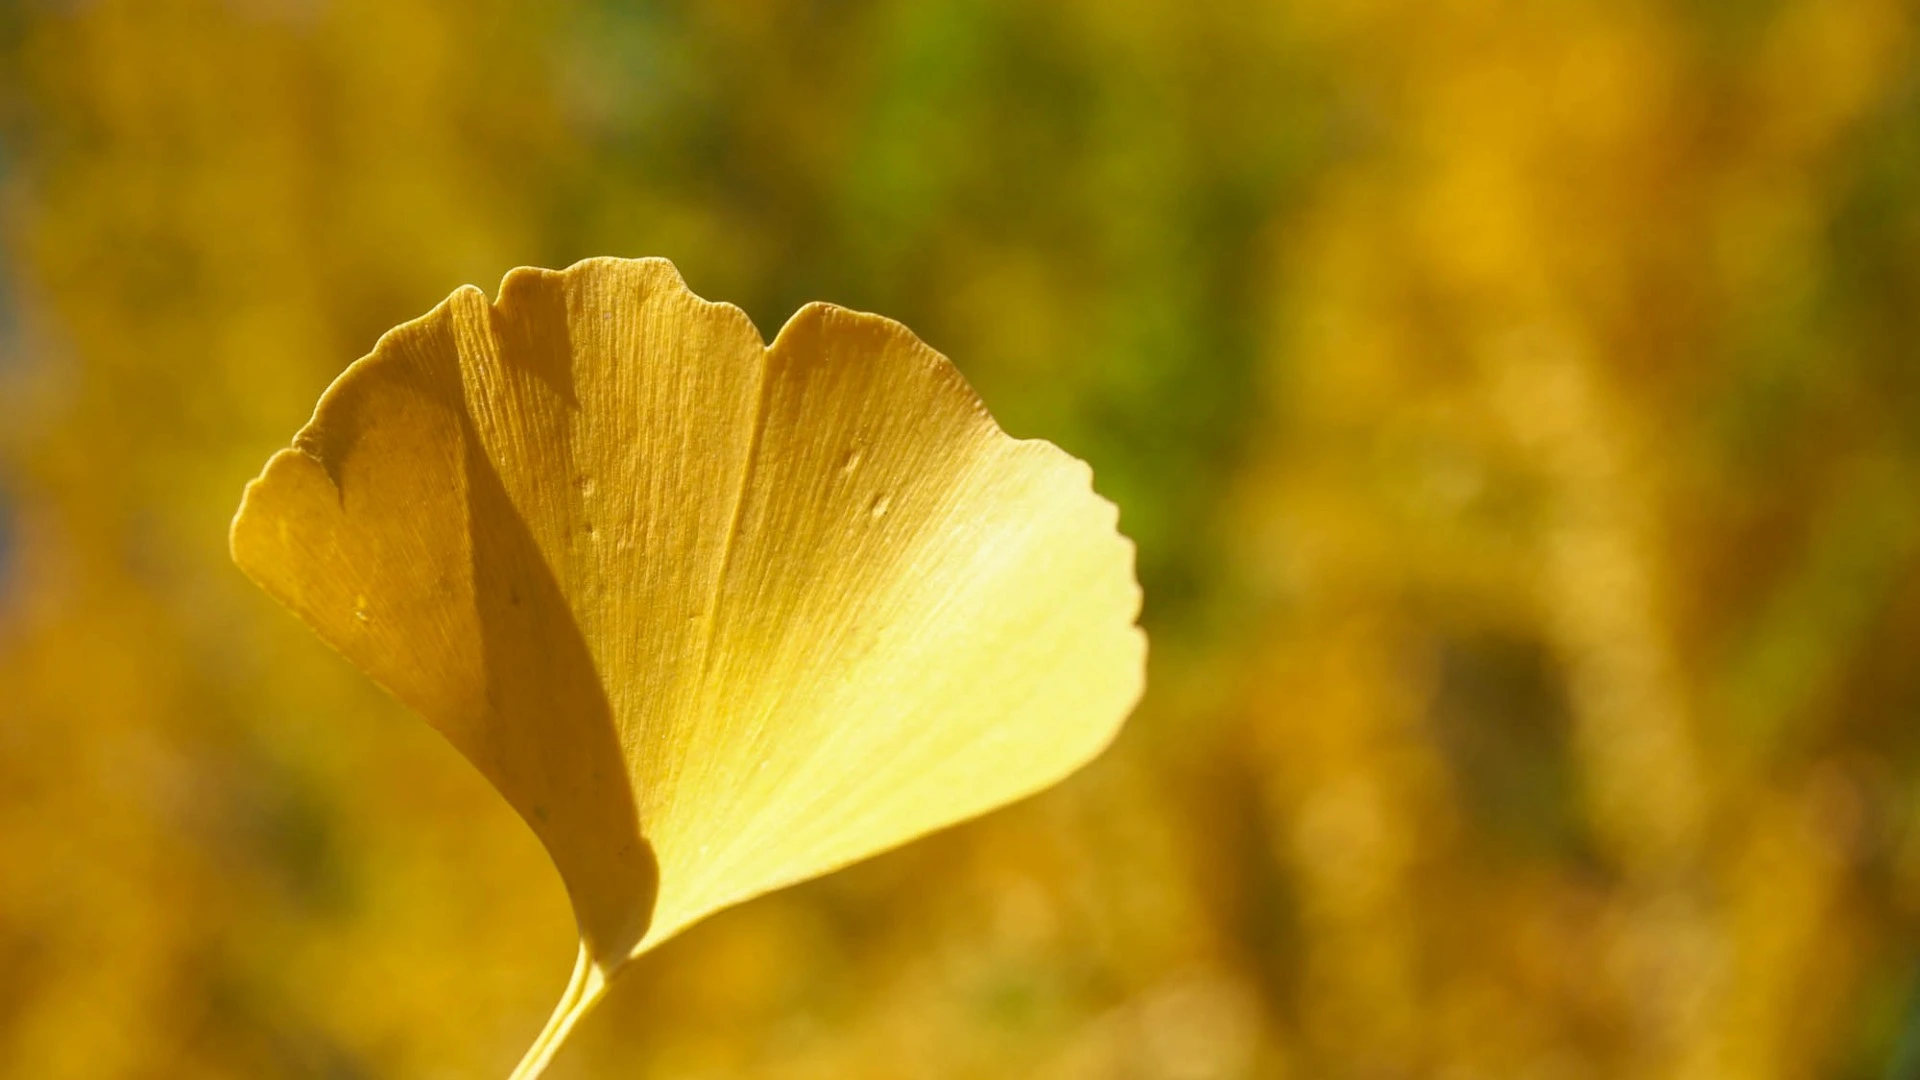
1517,406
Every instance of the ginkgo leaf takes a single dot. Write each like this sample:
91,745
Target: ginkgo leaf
714,616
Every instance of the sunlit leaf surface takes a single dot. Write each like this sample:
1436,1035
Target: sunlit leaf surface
714,616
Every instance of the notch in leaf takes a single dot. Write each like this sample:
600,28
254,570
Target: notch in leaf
714,616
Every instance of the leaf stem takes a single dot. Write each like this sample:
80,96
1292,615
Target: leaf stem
584,990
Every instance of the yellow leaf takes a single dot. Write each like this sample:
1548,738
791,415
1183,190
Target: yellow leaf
714,616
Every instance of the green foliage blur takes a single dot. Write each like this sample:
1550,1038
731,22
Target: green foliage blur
1517,406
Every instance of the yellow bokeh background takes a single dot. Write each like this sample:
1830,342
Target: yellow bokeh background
1517,407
